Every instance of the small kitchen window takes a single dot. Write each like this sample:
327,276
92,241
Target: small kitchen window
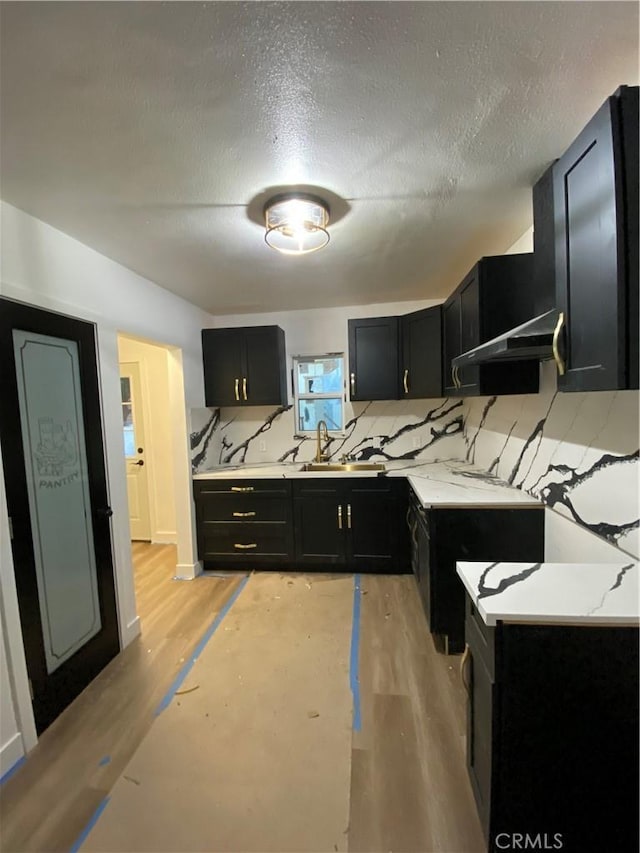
318,382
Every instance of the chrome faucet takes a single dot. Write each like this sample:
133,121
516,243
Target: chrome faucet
320,456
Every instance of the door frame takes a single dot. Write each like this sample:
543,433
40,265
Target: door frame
188,565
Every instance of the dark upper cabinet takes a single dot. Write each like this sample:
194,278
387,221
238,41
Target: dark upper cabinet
244,366
595,196
374,372
394,358
421,336
494,296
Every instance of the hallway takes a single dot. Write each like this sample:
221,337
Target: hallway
281,768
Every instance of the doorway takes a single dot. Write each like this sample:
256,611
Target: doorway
147,416
56,489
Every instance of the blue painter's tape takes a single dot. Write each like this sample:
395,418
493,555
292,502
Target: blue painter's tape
186,669
92,822
354,676
104,761
12,770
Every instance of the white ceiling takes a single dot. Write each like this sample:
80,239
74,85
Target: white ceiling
152,132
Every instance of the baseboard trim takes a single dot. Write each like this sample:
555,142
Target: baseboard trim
11,755
188,571
132,630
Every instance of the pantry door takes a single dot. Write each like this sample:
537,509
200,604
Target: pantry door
54,469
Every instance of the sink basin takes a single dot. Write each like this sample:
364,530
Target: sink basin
343,466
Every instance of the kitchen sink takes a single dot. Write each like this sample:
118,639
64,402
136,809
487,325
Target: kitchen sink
343,466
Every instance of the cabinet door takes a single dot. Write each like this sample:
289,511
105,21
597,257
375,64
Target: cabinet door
590,257
320,525
373,526
468,376
374,359
479,735
222,356
421,334
451,343
263,380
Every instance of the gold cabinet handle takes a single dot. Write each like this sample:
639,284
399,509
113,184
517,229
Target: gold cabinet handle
245,547
556,352
353,384
453,376
243,514
348,516
457,375
404,381
244,387
339,517
237,389
241,488
463,668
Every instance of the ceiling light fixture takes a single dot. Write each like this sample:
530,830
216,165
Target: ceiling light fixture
296,223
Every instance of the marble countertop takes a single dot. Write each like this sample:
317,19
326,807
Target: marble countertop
567,593
450,483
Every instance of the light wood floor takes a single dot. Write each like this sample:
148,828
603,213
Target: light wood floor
409,788
48,802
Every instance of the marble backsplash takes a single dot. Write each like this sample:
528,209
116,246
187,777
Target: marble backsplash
429,430
576,452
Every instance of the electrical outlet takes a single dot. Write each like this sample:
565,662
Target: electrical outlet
263,446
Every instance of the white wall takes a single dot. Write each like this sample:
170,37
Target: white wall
44,267
154,380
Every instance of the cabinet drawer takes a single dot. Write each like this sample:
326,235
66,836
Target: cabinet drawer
243,507
480,637
245,541
206,488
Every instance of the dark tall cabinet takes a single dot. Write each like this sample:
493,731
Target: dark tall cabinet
244,366
493,297
595,196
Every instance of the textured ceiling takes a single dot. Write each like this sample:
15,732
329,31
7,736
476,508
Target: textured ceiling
151,132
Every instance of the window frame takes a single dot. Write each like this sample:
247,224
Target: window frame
330,395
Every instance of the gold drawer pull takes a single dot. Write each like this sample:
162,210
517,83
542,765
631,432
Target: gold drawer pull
241,488
353,383
243,514
245,547
236,389
405,382
463,668
349,516
556,352
339,517
244,387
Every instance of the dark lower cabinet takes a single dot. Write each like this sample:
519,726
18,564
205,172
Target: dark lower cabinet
320,523
356,524
552,738
244,523
447,535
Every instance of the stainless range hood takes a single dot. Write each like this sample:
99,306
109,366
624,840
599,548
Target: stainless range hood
532,340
